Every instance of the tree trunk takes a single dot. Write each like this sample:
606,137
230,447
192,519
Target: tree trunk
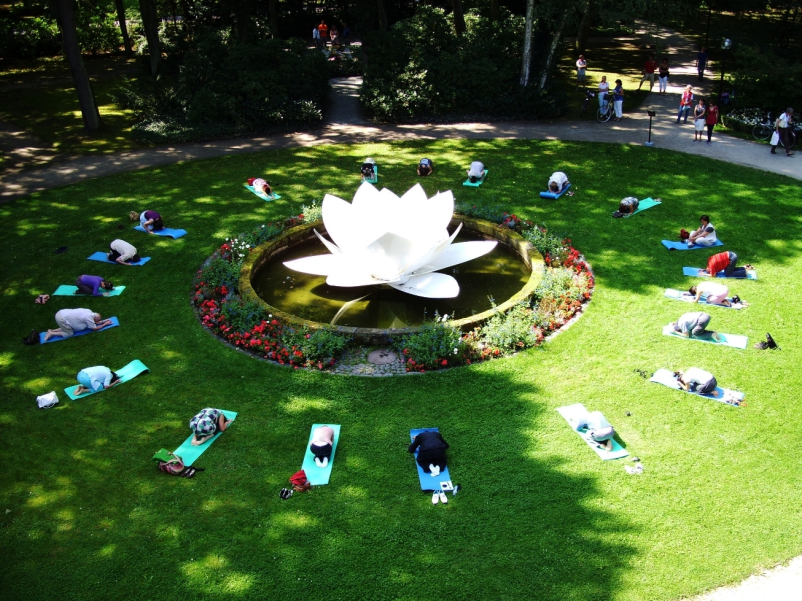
495,10
459,17
527,58
69,36
584,29
554,43
383,25
271,9
150,24
123,28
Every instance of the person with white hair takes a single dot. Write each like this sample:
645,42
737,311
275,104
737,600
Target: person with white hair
70,321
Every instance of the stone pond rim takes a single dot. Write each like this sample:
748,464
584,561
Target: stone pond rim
302,233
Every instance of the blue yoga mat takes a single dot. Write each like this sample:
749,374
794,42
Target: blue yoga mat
572,414
114,323
687,297
101,256
666,378
646,203
190,453
167,232
65,290
319,475
552,195
733,340
671,245
262,195
478,183
697,272
129,372
427,481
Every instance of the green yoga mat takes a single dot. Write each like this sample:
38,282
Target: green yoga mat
733,340
478,183
319,475
129,372
646,203
190,453
65,290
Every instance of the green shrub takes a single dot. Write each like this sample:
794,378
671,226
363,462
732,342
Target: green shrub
767,80
436,345
318,345
513,330
221,272
29,37
241,314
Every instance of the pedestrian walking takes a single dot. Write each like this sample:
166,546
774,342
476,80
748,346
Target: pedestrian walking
711,119
663,76
648,73
701,62
782,125
699,114
685,104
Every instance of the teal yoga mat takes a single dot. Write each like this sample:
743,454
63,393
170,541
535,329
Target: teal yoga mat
129,372
166,232
646,203
467,182
261,195
698,273
733,340
101,256
572,414
190,453
687,297
114,323
725,395
319,475
65,290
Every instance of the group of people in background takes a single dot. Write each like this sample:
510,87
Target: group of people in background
321,34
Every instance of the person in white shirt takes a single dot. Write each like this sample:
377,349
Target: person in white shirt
783,123
714,293
557,182
604,89
477,171
316,37
70,321
123,253
581,64
704,235
697,380
425,167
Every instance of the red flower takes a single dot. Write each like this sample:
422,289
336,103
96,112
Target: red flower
444,362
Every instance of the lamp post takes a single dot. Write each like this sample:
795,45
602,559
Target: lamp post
726,44
649,142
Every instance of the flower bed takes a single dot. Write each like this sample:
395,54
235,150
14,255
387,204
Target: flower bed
566,286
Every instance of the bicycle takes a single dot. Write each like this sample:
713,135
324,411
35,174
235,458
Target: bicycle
765,129
606,111
588,96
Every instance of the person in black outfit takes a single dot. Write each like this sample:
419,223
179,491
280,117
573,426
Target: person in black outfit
431,451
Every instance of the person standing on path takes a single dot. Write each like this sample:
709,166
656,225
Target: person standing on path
685,103
648,73
663,76
711,120
323,29
618,100
604,89
581,65
783,123
701,62
316,37
699,114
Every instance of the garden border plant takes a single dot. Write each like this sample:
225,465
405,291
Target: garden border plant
226,303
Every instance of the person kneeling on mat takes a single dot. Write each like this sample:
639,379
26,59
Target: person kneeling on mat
322,444
369,169
597,429
704,235
697,380
151,221
70,321
206,424
432,451
557,182
728,262
627,206
477,171
95,379
123,253
425,167
262,186
694,324
92,284
715,293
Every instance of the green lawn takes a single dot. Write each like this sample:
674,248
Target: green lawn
85,514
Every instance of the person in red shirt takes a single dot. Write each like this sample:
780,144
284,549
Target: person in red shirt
324,32
726,262
648,72
711,119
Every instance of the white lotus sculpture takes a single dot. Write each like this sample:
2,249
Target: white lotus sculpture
383,239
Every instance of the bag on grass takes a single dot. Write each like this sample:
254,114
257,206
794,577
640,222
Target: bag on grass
768,344
299,481
32,338
46,401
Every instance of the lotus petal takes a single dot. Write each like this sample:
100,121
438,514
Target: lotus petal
333,248
430,285
314,265
349,229
456,254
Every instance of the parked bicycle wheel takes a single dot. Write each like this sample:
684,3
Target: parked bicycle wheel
604,113
762,131
791,140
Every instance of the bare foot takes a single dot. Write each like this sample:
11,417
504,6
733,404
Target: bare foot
48,334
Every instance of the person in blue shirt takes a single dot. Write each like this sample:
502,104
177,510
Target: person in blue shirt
618,100
95,379
701,62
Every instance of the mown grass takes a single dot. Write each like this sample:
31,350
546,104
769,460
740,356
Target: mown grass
86,515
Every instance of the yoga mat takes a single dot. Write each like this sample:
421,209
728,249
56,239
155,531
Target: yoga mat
427,481
571,414
319,475
697,272
666,378
190,453
129,372
65,290
733,340
114,324
165,232
671,245
467,182
101,256
688,298
262,195
552,195
646,203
